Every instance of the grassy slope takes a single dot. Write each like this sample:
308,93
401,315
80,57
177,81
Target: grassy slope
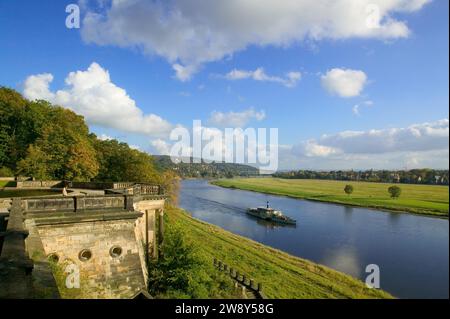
282,275
420,199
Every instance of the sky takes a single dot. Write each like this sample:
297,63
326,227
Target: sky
349,84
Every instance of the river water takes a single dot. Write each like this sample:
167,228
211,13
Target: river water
411,251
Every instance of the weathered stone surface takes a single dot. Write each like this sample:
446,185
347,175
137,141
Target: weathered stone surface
65,226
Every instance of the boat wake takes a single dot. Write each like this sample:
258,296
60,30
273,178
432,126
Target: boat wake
229,207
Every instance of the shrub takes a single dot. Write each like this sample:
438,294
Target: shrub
348,189
181,272
394,191
6,172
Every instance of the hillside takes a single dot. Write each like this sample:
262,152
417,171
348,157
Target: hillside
204,170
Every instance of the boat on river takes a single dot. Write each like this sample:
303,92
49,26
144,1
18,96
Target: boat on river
272,215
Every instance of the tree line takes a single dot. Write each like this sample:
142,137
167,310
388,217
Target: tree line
204,169
413,176
49,142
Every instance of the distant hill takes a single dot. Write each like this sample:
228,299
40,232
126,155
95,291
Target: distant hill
204,170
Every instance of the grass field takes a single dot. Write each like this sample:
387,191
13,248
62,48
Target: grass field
419,199
282,275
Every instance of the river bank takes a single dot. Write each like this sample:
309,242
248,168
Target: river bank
282,275
416,199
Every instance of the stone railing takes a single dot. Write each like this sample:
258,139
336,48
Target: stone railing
241,279
40,184
15,265
77,203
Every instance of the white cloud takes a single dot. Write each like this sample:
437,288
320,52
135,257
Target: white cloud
418,145
312,149
418,137
290,80
36,87
184,73
357,108
104,137
92,94
161,146
344,82
235,119
189,33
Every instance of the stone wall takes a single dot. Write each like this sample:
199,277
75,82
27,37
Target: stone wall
146,229
102,276
40,184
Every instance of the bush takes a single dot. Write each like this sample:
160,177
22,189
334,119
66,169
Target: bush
6,172
182,273
348,189
394,191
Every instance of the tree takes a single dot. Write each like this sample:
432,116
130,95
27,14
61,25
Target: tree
35,164
348,189
179,272
4,144
394,191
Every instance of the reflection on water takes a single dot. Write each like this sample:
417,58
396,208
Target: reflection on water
411,251
344,259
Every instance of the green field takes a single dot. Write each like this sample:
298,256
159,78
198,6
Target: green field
419,199
282,275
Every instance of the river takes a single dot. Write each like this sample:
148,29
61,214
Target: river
410,250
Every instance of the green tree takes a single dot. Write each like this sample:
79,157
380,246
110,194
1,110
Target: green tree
35,164
118,162
4,144
179,272
394,191
348,189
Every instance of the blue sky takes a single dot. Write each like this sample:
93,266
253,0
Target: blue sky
406,76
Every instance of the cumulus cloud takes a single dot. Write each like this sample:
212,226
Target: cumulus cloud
290,80
104,137
92,94
161,147
344,82
418,137
235,119
189,33
418,145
